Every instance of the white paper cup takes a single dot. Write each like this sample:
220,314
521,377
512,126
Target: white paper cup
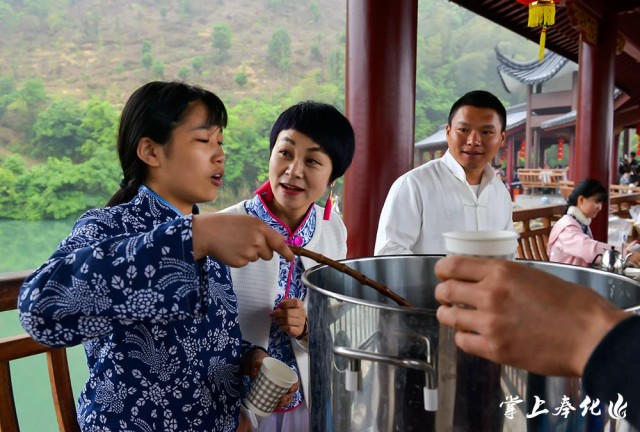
490,244
273,381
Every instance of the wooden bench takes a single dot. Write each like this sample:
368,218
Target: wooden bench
17,347
532,178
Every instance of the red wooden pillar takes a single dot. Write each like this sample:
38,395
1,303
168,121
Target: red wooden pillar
572,159
613,162
380,102
594,128
510,160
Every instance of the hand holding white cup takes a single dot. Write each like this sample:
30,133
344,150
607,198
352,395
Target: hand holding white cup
274,380
486,244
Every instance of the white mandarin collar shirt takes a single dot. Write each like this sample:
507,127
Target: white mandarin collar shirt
435,198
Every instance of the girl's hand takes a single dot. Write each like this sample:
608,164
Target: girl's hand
236,239
291,317
252,362
251,366
244,424
286,399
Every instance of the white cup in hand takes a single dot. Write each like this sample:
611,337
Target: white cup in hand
273,381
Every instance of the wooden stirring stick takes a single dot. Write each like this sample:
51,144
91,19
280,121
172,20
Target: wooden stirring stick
382,289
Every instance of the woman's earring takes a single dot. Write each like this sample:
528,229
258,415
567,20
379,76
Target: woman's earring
328,205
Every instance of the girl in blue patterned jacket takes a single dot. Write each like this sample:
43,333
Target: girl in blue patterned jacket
312,145
137,282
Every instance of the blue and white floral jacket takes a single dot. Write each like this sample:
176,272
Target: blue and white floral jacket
262,285
160,330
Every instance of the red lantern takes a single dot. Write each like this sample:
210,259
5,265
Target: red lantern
542,13
560,154
522,153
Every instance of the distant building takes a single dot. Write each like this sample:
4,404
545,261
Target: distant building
547,118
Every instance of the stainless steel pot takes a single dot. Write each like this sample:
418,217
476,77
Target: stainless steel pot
378,367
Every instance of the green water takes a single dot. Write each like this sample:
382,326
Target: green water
26,245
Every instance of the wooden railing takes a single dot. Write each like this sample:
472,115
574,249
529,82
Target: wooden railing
17,347
566,187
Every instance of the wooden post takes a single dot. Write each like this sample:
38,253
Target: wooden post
511,142
594,128
380,102
528,131
613,162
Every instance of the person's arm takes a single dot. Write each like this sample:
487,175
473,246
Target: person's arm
97,279
611,368
521,316
400,220
572,241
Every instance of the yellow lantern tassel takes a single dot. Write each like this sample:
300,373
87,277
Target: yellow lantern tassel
543,40
542,13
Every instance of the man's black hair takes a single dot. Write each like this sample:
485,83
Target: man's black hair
480,99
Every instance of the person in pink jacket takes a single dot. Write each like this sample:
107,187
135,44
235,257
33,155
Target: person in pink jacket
570,240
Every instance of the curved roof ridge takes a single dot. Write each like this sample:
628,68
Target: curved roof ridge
530,72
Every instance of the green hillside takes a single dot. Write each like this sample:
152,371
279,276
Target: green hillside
69,65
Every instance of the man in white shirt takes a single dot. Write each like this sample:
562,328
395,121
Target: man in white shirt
457,192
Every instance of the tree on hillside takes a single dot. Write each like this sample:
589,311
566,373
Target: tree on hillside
57,130
11,168
276,5
146,46
183,73
315,53
186,8
336,66
221,42
241,78
247,146
147,60
197,63
145,57
315,86
280,49
158,69
32,93
24,105
314,11
99,127
7,93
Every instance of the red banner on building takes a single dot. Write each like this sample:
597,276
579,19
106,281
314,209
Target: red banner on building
522,152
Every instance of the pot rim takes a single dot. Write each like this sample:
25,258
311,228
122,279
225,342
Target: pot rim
370,303
431,311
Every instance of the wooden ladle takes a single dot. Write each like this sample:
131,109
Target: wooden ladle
381,288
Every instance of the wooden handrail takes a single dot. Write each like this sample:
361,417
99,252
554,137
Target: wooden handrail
9,286
521,215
